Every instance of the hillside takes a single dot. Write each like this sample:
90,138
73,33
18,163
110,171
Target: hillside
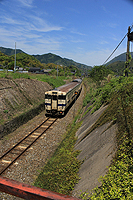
52,58
105,134
117,67
121,57
117,64
9,51
47,58
20,101
22,60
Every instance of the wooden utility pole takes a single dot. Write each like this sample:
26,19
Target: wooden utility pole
127,54
15,59
128,44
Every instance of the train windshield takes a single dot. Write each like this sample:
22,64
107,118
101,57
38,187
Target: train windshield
54,97
47,96
62,97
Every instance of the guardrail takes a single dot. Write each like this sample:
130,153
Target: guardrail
29,192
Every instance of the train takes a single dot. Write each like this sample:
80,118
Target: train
58,100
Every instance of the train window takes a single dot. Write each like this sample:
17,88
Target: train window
62,97
47,96
54,97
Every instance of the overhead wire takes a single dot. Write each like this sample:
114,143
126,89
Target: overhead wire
117,46
115,49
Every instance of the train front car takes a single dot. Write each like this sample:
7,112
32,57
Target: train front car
58,100
55,102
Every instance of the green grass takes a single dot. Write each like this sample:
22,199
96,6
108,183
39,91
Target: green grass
52,80
60,173
103,95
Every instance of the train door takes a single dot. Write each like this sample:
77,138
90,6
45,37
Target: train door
54,102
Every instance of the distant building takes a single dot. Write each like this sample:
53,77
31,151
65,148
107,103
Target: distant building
46,71
35,70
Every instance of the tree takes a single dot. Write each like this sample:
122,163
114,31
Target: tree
98,73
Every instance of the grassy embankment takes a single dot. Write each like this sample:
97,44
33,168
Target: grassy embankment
118,93
61,172
52,80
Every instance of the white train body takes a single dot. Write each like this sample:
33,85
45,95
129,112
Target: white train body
58,100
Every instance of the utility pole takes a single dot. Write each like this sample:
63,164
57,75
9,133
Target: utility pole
15,59
127,54
57,70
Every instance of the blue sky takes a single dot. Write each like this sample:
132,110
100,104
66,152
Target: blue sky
86,31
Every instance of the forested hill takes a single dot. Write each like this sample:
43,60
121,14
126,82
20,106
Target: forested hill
47,58
121,57
9,51
52,58
117,64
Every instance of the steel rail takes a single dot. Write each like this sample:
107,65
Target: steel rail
27,146
23,139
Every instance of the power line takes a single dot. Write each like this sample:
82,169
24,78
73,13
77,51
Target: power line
117,46
114,50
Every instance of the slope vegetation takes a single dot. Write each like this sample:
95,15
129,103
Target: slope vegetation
115,123
106,133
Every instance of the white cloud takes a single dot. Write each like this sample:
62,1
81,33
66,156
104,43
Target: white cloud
27,3
29,23
78,33
103,42
9,20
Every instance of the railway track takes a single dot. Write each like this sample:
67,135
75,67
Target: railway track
10,157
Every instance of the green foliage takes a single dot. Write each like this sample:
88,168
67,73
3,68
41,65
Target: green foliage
88,97
5,111
52,58
103,95
127,67
22,60
25,61
117,67
60,173
47,58
63,70
52,80
9,51
118,183
98,73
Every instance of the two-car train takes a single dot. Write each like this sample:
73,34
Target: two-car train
59,99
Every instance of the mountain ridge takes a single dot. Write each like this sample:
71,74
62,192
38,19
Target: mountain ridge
121,57
116,64
47,58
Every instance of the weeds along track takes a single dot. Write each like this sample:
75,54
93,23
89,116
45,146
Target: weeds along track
10,157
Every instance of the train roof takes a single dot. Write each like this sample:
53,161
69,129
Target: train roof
77,80
67,87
